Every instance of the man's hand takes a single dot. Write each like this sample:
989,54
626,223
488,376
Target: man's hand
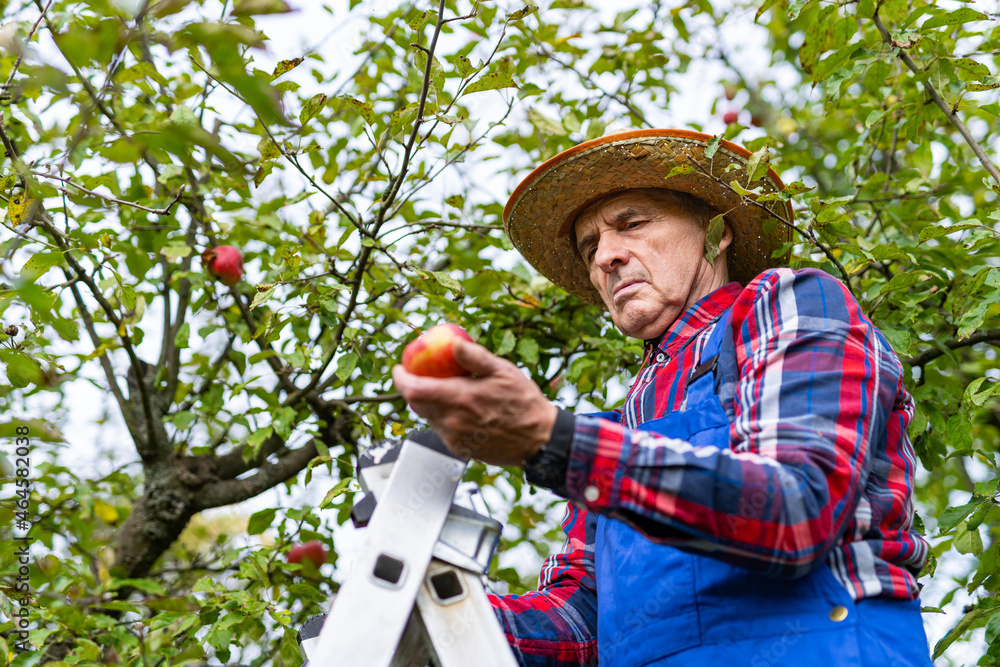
499,416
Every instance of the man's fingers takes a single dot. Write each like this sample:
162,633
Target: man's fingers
475,358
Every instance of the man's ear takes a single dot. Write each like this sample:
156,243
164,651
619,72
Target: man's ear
727,236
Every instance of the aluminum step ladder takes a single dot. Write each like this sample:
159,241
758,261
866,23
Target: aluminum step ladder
415,594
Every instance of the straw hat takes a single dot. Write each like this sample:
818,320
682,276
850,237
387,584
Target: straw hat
540,214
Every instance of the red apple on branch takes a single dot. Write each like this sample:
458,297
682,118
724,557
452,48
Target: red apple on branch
224,263
312,552
431,354
730,117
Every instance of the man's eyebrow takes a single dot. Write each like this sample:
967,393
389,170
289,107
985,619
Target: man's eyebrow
632,212
622,217
583,242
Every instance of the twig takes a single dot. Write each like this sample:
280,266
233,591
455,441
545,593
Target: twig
807,234
394,185
28,238
27,41
949,113
122,202
988,336
594,86
281,149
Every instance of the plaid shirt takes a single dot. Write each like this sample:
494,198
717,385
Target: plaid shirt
818,454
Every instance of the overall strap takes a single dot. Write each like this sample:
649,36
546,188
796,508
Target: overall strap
719,358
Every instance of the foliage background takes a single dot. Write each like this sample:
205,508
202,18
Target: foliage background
364,184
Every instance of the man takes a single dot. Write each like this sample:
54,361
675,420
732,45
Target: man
751,502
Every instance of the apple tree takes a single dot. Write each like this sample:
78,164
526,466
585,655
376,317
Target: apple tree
362,182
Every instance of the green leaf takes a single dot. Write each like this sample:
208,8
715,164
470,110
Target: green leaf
964,624
181,339
956,17
934,231
758,165
546,124
444,280
366,110
175,252
418,21
735,185
257,7
261,297
315,105
953,516
346,365
506,343
38,264
261,521
903,281
339,489
795,7
712,146
974,68
464,67
968,541
22,370
680,170
876,115
713,236
527,349
490,81
766,5
974,396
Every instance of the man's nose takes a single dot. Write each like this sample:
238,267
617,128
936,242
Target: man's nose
610,252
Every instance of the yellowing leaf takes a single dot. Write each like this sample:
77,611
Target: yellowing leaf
105,512
491,81
286,66
364,108
21,208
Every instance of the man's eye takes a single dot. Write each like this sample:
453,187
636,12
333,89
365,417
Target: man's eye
632,224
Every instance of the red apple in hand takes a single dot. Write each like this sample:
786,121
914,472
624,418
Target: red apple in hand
431,353
224,263
313,552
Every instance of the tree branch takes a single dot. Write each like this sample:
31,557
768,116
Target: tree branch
109,371
229,492
987,336
949,112
122,202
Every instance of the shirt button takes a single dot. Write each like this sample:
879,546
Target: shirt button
660,357
591,494
838,613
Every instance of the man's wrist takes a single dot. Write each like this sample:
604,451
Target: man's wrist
547,467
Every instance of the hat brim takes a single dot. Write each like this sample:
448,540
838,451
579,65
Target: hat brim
540,213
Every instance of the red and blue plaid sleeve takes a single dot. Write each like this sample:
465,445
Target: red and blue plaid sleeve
556,626
819,405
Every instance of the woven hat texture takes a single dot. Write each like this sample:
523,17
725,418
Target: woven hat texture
539,216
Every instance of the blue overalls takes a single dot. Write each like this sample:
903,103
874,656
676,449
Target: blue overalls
658,605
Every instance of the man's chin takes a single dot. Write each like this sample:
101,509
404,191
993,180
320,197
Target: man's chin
636,322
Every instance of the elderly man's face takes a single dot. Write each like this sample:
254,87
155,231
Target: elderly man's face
647,260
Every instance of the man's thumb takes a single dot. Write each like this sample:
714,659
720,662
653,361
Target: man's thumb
475,358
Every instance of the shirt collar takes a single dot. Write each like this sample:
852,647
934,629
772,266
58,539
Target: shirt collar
694,319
